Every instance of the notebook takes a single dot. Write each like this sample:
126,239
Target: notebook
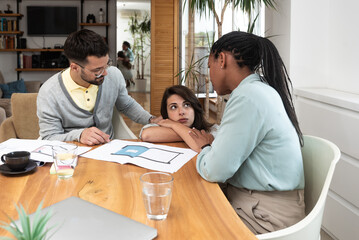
76,218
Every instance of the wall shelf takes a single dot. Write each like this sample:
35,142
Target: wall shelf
33,50
38,69
40,50
12,32
15,37
94,24
11,15
83,21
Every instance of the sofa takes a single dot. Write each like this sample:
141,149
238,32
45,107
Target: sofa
5,103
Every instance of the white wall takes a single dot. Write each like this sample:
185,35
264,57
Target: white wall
277,29
318,42
324,45
320,47
8,60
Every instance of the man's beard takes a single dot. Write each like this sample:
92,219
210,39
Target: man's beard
96,81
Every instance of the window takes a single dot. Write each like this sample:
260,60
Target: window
198,34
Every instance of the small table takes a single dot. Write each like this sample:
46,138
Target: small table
199,209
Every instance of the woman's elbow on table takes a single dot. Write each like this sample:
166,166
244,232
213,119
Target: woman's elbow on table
146,136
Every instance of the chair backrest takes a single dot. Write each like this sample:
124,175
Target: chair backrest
24,122
120,128
319,159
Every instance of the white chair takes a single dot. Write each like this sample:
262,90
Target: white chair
121,130
319,157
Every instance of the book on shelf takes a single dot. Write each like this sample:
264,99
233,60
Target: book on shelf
21,60
8,25
2,40
3,23
7,42
27,61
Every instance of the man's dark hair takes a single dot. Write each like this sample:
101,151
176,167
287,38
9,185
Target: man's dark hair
81,44
127,44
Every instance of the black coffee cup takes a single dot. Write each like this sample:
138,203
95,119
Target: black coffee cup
16,160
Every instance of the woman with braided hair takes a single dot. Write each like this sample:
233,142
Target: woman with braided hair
256,152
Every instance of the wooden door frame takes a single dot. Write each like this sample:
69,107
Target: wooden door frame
164,49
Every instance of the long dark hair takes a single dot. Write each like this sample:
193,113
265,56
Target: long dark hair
261,56
199,120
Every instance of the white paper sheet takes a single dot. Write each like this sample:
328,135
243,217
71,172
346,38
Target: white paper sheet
147,155
40,149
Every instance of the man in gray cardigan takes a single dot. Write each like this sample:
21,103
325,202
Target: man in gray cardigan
77,103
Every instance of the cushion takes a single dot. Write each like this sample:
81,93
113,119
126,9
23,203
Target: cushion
13,87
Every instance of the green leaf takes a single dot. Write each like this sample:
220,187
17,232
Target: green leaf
38,230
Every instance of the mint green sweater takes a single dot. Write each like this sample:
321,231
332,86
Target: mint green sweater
256,146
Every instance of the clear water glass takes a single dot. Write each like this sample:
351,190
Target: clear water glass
157,194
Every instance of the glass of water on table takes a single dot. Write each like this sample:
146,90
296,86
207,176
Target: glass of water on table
157,194
65,159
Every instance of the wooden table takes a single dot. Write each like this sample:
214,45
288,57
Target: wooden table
199,209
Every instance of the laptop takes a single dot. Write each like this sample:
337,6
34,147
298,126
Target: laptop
75,218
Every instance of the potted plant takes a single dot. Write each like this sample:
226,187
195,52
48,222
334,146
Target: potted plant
204,6
140,31
195,73
29,230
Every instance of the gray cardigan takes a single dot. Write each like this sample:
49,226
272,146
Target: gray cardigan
61,119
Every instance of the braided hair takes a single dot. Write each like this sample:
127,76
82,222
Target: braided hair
261,56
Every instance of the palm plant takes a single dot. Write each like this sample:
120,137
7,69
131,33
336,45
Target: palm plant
190,75
140,32
27,230
209,6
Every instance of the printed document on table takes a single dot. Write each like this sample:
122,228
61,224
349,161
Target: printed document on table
151,156
41,150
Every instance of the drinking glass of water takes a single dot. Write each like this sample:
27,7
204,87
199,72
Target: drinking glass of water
157,194
65,159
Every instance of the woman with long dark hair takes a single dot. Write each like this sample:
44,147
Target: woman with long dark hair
181,111
257,151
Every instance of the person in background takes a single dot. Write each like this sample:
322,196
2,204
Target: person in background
126,47
181,111
125,68
77,104
257,150
128,58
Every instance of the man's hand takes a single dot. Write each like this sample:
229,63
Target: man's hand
155,119
93,136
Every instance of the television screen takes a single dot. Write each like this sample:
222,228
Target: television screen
57,21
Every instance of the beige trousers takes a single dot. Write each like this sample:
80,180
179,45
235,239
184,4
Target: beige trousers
264,212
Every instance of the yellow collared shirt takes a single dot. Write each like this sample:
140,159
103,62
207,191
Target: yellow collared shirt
85,98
